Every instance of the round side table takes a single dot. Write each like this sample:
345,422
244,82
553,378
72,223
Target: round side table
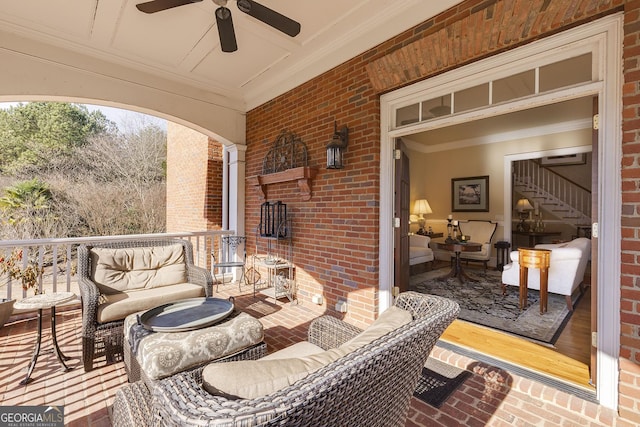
534,258
40,302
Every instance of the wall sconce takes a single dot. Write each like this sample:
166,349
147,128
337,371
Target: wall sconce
336,148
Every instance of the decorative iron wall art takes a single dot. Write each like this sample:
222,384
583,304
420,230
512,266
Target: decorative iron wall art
288,152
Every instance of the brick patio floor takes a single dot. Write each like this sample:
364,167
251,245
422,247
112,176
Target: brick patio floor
492,396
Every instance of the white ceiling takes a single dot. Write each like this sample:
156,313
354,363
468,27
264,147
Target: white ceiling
182,43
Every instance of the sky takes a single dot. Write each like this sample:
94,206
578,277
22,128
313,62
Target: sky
122,118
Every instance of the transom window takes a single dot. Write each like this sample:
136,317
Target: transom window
546,78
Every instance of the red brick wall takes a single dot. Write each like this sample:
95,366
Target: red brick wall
194,184
630,268
335,233
336,246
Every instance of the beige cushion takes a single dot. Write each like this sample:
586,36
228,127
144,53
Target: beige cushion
125,269
391,319
118,306
249,379
299,349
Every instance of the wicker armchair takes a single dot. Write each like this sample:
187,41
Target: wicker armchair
371,386
106,338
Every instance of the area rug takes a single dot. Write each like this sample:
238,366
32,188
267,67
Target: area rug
438,381
482,303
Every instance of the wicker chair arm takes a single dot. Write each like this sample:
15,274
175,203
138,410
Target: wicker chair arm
328,332
90,296
200,276
180,400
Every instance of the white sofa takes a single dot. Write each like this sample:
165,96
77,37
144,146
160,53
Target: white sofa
567,266
419,251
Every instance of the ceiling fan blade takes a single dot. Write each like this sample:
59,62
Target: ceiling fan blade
225,30
270,17
159,5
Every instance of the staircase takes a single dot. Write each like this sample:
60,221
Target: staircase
553,193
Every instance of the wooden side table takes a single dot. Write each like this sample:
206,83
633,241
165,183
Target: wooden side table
457,248
40,302
534,258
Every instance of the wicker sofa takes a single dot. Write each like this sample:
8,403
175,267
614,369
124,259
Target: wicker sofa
124,277
370,385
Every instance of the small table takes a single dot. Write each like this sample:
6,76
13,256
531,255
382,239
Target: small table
534,258
457,248
40,302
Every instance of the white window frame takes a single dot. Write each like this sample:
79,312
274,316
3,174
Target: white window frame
604,38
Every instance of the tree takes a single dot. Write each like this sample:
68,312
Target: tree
28,211
85,176
32,134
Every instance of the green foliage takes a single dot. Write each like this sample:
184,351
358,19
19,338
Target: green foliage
67,173
32,196
33,133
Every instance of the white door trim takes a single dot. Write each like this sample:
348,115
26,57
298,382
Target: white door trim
606,36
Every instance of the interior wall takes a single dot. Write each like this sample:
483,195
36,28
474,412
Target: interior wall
431,174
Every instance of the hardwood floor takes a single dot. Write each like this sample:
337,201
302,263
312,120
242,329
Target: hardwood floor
567,361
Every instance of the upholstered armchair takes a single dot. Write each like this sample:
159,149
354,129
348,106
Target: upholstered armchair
567,266
480,232
419,250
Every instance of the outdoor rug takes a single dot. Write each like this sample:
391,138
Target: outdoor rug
438,381
482,303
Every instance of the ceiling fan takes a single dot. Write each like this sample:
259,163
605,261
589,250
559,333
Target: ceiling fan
224,21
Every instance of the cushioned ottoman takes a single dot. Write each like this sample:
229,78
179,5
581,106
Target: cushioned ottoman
161,354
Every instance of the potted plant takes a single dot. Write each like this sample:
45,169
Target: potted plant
28,274
6,309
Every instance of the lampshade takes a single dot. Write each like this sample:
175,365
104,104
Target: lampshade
422,207
523,205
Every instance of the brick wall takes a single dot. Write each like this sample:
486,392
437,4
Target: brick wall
630,268
194,184
335,233
336,246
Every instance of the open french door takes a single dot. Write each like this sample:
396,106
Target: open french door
401,218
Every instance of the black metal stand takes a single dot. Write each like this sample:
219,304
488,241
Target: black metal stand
36,352
502,254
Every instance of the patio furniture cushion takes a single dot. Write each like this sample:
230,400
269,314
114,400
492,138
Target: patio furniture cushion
161,354
118,306
250,379
126,269
299,349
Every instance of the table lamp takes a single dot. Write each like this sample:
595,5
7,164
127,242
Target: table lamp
523,207
420,208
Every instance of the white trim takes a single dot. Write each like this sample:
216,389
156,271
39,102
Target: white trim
604,38
500,137
508,191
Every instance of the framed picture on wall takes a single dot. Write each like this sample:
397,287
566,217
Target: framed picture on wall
470,194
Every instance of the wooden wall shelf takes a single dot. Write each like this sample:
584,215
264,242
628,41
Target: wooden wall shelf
303,175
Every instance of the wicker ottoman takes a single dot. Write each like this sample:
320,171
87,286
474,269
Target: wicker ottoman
162,354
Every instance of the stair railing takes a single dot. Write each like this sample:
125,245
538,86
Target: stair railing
553,192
